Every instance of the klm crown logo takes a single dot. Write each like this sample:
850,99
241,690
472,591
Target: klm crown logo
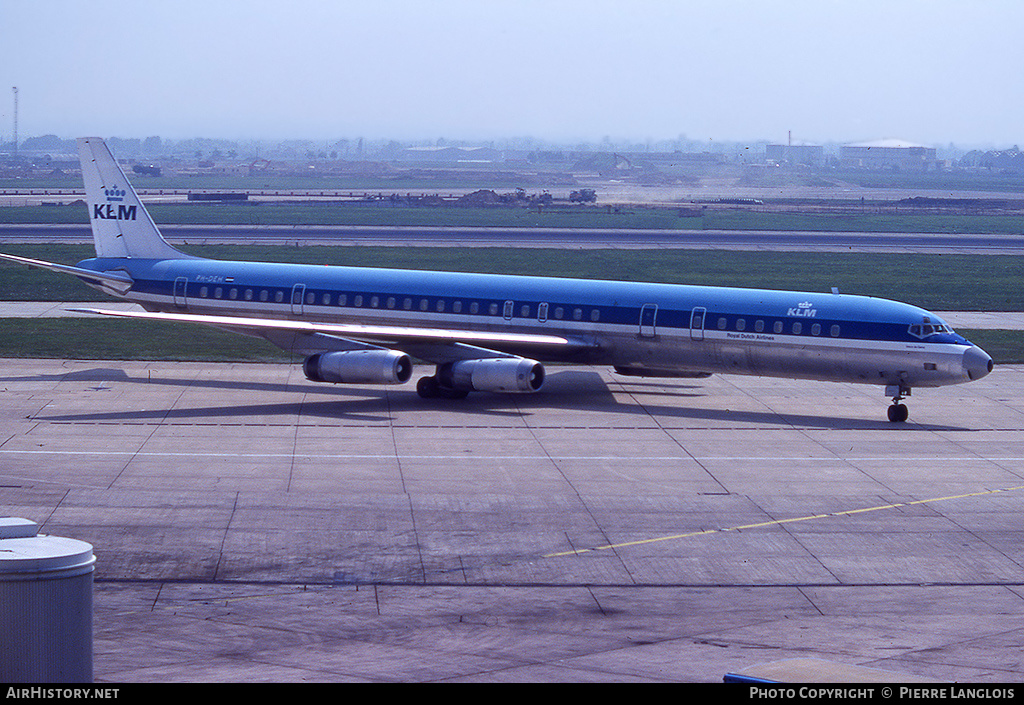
114,194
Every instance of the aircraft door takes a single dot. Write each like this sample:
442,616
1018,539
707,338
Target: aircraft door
648,317
180,287
697,323
298,294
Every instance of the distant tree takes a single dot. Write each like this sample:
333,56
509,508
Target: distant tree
146,170
50,142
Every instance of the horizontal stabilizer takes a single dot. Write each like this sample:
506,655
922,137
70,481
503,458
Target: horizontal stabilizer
118,281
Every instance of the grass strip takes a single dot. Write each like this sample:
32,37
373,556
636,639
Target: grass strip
112,339
869,218
933,281
1005,346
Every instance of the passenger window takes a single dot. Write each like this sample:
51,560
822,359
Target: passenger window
424,304
797,328
758,326
248,294
440,305
310,298
777,327
233,293
374,302
358,301
263,295
203,291
326,301
342,299
457,307
493,309
279,296
835,331
816,329
741,324
407,304
218,292
721,324
559,312
525,311
474,307
391,302
595,315
577,314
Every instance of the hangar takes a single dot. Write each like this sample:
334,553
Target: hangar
892,154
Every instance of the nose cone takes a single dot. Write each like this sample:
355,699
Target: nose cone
977,363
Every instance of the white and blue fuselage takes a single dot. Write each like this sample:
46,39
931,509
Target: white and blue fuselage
488,332
657,329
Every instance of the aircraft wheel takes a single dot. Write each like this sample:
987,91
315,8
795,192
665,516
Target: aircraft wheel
898,413
428,388
454,393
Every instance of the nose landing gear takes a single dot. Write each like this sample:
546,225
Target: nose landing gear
898,413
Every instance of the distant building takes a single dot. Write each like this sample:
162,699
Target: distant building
809,154
1009,161
888,154
451,154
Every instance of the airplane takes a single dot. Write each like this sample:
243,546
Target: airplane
493,333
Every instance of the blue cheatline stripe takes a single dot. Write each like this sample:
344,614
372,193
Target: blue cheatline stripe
667,319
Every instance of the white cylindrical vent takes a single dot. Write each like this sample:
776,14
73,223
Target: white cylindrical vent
45,606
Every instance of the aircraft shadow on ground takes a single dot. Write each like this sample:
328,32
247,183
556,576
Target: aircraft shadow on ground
572,390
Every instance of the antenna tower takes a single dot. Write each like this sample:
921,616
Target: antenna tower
15,91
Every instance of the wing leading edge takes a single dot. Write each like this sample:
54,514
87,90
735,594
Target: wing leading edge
356,332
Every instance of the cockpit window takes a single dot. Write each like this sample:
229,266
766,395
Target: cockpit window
924,330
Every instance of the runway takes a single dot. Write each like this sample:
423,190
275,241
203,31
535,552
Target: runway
251,525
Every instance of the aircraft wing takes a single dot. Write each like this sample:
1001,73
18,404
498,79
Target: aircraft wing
451,340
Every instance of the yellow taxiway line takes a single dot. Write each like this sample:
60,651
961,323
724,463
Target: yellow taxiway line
778,522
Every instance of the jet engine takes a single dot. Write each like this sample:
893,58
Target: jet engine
359,367
493,374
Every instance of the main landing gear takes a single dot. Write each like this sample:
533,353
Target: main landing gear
898,413
431,388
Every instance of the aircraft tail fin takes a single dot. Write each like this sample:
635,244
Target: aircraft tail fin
121,227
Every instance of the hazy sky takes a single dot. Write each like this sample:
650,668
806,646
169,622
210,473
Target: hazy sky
934,72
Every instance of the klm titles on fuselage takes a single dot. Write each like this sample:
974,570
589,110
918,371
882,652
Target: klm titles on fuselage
803,310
